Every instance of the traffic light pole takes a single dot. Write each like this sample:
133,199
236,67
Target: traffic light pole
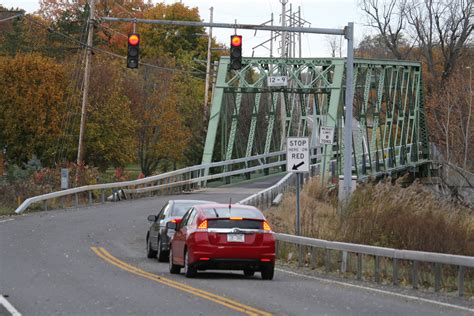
348,33
80,149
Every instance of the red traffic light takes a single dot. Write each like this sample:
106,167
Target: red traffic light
133,39
236,40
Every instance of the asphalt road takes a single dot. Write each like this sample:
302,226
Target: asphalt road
91,261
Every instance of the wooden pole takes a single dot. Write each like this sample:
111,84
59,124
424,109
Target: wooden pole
80,149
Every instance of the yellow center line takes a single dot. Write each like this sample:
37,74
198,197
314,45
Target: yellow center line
105,255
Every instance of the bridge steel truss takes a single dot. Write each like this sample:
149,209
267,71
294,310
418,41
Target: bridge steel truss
389,125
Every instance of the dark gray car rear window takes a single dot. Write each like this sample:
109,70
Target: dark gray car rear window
179,209
234,212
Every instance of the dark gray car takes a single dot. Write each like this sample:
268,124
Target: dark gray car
158,238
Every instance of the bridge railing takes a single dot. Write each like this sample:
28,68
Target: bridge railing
266,197
170,182
395,255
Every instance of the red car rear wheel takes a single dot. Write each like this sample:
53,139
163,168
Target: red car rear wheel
268,272
189,270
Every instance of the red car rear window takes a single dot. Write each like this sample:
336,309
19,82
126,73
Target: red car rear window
233,212
228,223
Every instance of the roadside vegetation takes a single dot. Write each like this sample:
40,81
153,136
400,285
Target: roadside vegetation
382,214
385,214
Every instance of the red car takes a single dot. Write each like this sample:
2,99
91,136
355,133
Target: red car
225,237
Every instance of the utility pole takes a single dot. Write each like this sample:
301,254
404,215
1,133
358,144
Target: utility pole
208,68
80,149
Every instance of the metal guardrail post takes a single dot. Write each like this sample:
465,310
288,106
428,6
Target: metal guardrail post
327,263
414,274
344,262
437,274
63,204
377,269
189,176
461,281
76,200
395,271
151,193
314,258
300,256
90,197
45,205
102,196
359,266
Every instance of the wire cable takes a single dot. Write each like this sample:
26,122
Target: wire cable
51,30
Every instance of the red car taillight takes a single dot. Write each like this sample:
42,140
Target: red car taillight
203,224
266,226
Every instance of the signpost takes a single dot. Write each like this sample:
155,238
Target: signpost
297,160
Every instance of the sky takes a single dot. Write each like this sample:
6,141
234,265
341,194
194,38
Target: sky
331,14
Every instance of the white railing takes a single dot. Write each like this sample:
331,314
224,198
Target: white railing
266,197
414,257
174,181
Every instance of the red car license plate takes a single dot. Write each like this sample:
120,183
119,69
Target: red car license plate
235,238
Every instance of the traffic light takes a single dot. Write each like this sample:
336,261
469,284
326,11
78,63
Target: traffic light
133,50
236,52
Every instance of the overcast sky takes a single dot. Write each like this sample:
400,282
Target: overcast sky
333,14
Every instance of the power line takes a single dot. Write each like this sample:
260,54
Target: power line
124,35
51,30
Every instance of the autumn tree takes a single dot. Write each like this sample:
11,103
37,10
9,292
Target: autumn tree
110,135
161,134
177,42
32,102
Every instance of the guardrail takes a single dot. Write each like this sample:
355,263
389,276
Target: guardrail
170,182
266,197
415,257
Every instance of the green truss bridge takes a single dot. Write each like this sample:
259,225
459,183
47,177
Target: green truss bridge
248,117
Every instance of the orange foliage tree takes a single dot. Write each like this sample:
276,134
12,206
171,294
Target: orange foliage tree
32,102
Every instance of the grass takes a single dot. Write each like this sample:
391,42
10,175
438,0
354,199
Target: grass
381,214
5,210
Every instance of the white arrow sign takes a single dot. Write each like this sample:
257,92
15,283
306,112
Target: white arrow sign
297,154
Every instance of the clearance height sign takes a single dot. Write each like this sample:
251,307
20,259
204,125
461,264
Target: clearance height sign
297,154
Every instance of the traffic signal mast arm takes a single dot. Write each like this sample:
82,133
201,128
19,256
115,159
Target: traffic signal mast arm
313,30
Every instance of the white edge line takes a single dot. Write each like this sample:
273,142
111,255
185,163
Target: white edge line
8,306
414,298
7,220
